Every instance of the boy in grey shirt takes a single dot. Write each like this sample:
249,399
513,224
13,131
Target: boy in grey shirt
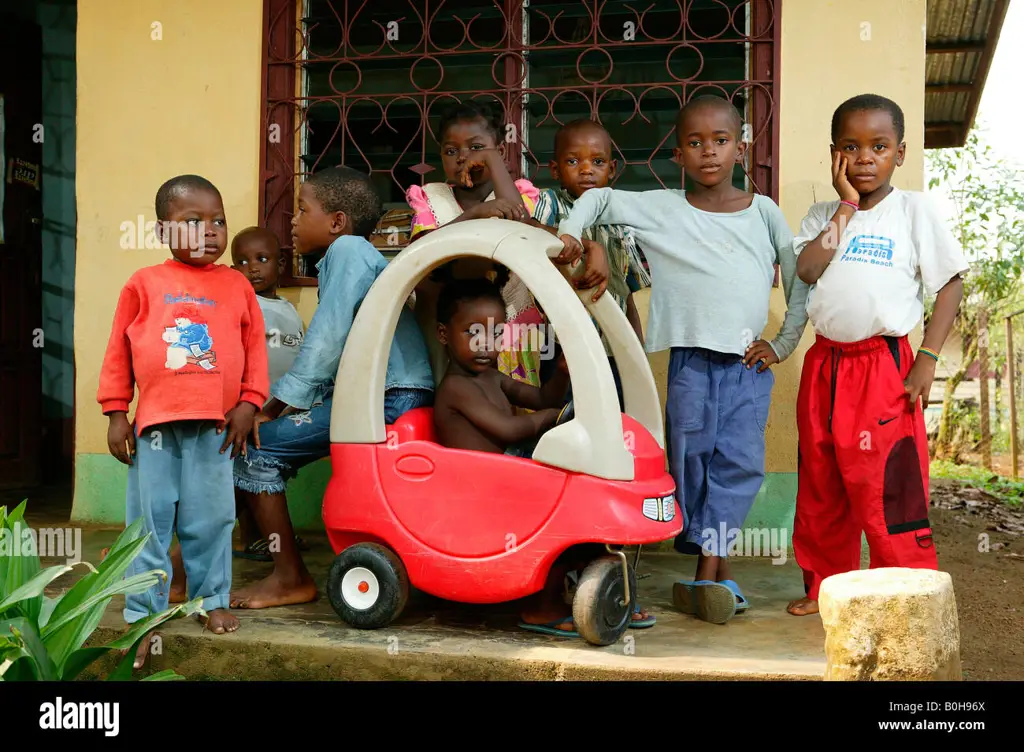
712,252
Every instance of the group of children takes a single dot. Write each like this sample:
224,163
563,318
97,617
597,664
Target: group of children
256,382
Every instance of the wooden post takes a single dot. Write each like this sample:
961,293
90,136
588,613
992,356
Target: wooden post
983,402
1013,397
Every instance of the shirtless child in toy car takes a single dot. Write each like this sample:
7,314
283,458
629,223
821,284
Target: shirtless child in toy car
474,403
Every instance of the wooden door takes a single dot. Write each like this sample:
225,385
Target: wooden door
21,335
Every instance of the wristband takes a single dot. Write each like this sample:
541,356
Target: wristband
930,353
856,207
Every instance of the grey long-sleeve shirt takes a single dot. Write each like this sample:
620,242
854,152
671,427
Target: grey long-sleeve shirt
711,272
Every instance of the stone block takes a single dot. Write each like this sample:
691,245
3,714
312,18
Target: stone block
890,624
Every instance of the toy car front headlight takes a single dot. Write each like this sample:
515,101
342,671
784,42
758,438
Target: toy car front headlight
660,508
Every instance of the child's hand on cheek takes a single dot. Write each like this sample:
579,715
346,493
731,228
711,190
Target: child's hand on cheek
840,180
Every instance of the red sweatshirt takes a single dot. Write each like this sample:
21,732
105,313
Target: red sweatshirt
192,338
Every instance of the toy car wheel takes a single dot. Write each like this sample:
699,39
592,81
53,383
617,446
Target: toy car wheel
600,615
368,586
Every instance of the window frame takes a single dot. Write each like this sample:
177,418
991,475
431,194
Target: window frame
283,87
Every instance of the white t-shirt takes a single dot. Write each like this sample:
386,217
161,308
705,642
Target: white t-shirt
284,334
887,256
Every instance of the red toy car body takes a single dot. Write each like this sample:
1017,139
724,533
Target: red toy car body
402,510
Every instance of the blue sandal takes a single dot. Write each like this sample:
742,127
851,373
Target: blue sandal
741,600
650,621
712,602
551,628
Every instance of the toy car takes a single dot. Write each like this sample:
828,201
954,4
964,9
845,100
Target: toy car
474,527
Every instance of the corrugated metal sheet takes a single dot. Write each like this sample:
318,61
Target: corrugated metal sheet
960,24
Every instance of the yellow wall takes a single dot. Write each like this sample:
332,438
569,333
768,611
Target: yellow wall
148,110
825,61
190,102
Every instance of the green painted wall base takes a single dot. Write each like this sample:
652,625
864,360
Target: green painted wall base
100,482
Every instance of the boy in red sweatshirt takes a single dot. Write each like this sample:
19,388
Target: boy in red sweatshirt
189,333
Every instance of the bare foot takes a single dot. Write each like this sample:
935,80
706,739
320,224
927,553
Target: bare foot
642,614
273,591
143,650
802,607
179,592
220,620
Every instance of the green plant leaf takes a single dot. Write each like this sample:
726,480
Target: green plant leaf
16,569
68,633
167,674
25,635
33,587
119,558
148,624
18,514
63,635
81,659
49,604
23,669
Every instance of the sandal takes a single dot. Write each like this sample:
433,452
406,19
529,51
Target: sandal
741,600
551,628
260,550
650,621
712,602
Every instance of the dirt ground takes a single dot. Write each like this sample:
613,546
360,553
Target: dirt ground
980,543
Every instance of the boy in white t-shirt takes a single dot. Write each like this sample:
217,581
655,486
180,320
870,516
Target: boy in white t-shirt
869,257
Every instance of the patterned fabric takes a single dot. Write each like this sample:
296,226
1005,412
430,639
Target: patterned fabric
435,205
626,269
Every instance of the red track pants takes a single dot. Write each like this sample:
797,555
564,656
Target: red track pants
863,462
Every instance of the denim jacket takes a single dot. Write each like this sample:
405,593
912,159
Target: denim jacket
346,273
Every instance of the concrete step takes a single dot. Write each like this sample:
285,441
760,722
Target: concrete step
436,639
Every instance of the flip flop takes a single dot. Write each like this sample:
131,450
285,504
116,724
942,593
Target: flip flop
684,596
716,603
709,601
650,621
258,551
551,628
741,600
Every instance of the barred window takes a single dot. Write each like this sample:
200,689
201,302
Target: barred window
363,84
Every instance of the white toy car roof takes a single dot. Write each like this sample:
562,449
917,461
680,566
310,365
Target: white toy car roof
592,442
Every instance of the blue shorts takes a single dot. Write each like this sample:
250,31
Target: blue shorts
716,418
292,441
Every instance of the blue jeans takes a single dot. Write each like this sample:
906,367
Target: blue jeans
180,482
716,417
293,441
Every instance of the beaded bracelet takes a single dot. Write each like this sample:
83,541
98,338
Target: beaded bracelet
930,353
856,207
